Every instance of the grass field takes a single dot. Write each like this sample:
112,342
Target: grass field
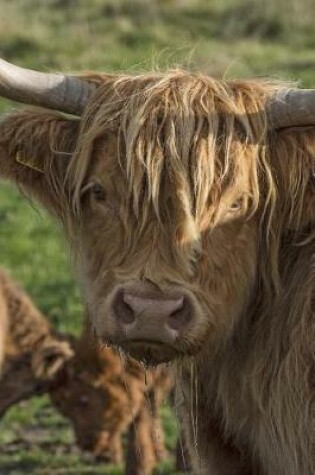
227,38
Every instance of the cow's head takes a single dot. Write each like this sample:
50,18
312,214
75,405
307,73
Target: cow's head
95,410
172,189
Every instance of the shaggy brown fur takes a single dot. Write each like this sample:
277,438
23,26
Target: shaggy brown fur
33,353
176,179
103,395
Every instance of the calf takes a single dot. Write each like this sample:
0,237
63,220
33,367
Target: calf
104,395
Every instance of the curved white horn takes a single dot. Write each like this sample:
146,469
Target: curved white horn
55,91
292,108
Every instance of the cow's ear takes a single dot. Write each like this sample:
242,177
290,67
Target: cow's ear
51,359
35,150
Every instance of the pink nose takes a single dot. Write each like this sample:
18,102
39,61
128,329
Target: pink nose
152,316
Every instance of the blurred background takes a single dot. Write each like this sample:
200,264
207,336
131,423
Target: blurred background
226,38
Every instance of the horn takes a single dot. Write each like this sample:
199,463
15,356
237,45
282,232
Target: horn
291,108
55,91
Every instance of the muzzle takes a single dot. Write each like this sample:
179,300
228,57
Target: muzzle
151,323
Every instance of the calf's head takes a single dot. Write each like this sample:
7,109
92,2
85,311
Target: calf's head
97,411
90,391
171,198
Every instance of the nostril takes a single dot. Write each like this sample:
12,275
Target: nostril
123,310
155,313
180,318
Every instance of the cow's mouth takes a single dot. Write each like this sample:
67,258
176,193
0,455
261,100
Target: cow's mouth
150,353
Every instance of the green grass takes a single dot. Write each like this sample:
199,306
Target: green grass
34,438
227,38
32,249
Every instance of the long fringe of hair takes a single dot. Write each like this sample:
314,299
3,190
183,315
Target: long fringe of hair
207,137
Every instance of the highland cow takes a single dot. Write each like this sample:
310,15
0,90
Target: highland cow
190,203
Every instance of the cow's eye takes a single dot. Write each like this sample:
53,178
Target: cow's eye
83,401
236,206
98,192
